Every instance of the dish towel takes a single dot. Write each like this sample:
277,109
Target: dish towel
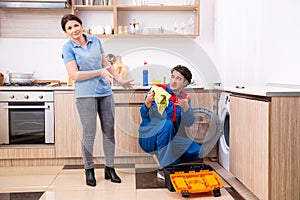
161,98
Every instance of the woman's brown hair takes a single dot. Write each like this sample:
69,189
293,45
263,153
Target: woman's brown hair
69,17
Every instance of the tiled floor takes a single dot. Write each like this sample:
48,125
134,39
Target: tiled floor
139,182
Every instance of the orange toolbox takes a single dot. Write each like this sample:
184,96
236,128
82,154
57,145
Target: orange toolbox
196,178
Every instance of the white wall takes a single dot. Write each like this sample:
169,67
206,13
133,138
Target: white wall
280,41
257,41
237,29
42,56
251,42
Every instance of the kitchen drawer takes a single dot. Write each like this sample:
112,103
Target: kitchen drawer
130,96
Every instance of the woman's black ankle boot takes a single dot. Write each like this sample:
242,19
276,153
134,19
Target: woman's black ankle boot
90,177
110,173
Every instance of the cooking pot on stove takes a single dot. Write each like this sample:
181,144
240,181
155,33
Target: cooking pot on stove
21,77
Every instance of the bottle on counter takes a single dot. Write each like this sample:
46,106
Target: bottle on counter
145,75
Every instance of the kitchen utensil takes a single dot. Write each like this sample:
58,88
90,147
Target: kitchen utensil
21,77
111,58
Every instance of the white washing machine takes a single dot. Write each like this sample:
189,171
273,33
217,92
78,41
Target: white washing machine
224,116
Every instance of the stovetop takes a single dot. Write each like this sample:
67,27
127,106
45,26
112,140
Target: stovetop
26,84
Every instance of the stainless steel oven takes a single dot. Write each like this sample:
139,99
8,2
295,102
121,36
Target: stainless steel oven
26,117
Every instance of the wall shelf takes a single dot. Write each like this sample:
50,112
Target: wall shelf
44,22
150,17
157,8
96,7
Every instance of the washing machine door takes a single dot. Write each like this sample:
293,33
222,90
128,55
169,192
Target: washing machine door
226,129
206,129
224,140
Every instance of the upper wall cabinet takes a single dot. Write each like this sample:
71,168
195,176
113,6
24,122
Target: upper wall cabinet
139,17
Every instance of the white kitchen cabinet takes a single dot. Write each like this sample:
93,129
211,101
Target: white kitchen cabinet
264,145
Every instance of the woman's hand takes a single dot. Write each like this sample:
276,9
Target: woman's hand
150,97
127,84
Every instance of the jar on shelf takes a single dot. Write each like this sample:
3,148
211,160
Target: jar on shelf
120,29
125,29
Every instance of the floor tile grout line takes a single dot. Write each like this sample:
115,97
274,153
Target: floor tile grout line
53,180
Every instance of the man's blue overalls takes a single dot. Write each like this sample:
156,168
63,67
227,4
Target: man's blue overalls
164,135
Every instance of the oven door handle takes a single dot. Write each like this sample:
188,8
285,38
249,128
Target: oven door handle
26,107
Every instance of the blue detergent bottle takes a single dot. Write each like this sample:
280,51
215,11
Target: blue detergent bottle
145,75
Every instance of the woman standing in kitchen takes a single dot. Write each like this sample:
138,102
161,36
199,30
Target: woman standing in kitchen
86,64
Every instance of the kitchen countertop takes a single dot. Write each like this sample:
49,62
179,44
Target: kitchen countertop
71,88
272,90
148,87
35,88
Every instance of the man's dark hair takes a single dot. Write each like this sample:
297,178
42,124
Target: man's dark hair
184,71
69,17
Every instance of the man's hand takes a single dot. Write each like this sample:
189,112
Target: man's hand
150,97
184,103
